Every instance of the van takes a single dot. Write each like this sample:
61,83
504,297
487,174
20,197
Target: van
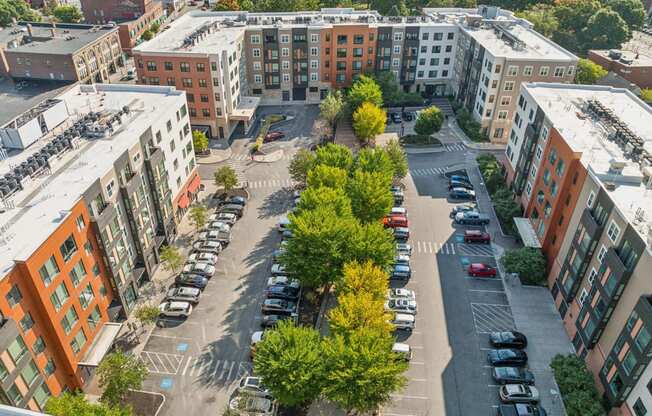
403,322
403,350
283,224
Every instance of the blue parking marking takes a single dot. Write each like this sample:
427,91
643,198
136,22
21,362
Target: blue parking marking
166,383
465,261
459,238
182,347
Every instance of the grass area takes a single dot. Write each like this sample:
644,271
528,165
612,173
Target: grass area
469,126
419,140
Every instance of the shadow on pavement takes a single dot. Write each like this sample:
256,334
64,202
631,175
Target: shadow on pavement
276,203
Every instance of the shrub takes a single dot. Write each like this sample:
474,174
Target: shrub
470,127
528,262
419,140
576,386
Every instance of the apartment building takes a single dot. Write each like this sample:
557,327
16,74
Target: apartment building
92,182
580,158
635,67
61,52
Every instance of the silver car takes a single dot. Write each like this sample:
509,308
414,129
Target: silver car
200,268
224,217
212,247
184,294
218,226
203,257
401,305
519,393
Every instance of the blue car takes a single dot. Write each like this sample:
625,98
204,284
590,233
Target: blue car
192,280
401,272
461,193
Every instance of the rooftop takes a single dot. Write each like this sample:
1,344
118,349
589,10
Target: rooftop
68,38
37,210
16,98
625,57
592,120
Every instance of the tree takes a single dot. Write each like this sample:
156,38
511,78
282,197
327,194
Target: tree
226,5
301,163
16,9
370,196
323,175
576,386
155,27
588,72
528,262
67,14
246,5
573,17
631,11
226,178
199,141
289,360
389,87
335,155
171,259
147,314
542,16
359,311
371,242
118,373
646,95
333,198
363,371
606,30
364,90
389,7
466,4
368,121
147,35
363,278
76,404
374,160
429,121
398,158
331,107
198,216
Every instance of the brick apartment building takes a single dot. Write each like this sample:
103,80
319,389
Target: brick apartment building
579,159
299,57
60,52
80,233
636,67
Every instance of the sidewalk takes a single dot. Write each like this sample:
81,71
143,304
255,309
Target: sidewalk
457,131
220,150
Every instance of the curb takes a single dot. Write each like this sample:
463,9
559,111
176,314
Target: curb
425,149
209,160
274,157
457,131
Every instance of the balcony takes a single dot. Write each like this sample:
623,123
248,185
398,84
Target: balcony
106,214
590,224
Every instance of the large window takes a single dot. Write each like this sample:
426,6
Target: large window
41,395
17,349
68,248
69,319
613,231
77,273
3,372
59,296
38,346
94,318
86,296
642,340
49,271
29,373
27,322
78,341
14,296
14,394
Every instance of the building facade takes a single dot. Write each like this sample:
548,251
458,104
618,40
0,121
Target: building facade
82,233
635,67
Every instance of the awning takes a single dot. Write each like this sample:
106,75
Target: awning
184,201
246,109
527,233
101,344
193,186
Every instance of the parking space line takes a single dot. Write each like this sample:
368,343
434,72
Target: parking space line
186,367
231,370
417,362
409,397
217,366
493,385
226,364
419,380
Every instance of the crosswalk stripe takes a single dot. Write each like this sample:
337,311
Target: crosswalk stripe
226,363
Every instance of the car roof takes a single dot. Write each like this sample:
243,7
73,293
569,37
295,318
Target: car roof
514,388
178,304
404,317
401,267
473,232
187,290
400,347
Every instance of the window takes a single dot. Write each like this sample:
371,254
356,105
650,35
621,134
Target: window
77,273
502,115
498,133
286,77
186,82
543,71
527,71
583,297
342,39
41,395
171,81
528,189
509,86
49,270
14,296
14,394
559,72
396,63
258,79
29,373
398,37
69,319
314,77
539,152
314,37
642,339
78,341
449,48
202,83
94,318
629,362
450,35
59,296
639,407
285,52
505,100
151,66
184,67
397,49
17,349
49,368
86,296
27,322
255,52
512,70
314,52
425,36
285,64
571,71
602,253
591,198
255,39
285,38
559,170
613,231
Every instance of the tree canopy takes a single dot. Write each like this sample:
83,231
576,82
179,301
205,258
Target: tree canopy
67,13
606,29
528,262
199,141
198,216
359,311
171,258
118,373
631,11
370,196
374,160
226,178
334,198
302,161
364,90
588,72
16,9
76,404
398,158
330,109
323,175
542,16
335,155
363,277
226,5
576,386
369,121
429,121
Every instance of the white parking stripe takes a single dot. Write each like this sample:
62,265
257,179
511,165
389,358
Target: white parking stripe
186,367
231,370
226,363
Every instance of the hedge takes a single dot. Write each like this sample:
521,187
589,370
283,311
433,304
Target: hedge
502,197
419,140
576,386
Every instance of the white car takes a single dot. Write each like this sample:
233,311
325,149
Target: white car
218,226
212,247
278,269
400,293
203,257
296,194
399,211
214,235
403,249
174,308
282,281
200,268
224,217
252,405
253,386
183,294
401,305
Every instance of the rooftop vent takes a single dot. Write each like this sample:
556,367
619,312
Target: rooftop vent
615,54
610,186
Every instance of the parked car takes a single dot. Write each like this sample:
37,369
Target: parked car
401,306
462,208
396,118
519,393
224,237
256,337
395,221
520,409
200,268
400,293
279,306
476,236
224,217
192,280
402,259
218,226
253,386
246,404
278,270
287,234
283,224
235,199
282,281
273,135
459,184
408,116
282,292
461,193
184,294
236,209
403,350
398,195
507,357
512,375
389,119
401,233
212,247
401,211
457,177
481,270
508,339
401,272
277,253
403,249
472,218
270,321
176,309
403,322
202,257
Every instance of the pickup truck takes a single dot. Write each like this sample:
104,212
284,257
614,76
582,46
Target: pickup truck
472,218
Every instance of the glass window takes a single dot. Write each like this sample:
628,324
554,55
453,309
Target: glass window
29,373
27,322
69,319
3,372
559,170
78,341
613,231
14,394
629,362
642,340
68,248
49,270
86,296
14,296
94,318
50,368
38,346
59,296
639,407
17,349
41,395
77,273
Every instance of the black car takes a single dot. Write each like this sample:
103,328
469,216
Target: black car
459,184
509,339
236,209
461,193
408,116
278,307
507,357
282,292
270,321
238,200
396,118
512,375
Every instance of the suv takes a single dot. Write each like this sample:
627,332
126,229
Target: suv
393,221
192,280
184,294
401,305
282,292
400,293
462,208
476,236
175,309
461,193
224,217
521,410
223,237
282,281
507,357
512,375
401,272
403,322
278,306
453,183
270,321
398,195
518,393
472,218
200,268
202,257
212,247
401,233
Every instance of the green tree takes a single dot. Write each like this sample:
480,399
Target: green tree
335,155
573,16
370,196
147,314
605,30
528,262
76,404
364,90
389,88
67,14
333,198
374,160
198,216
398,158
466,4
301,163
588,72
199,141
171,258
226,178
17,9
363,371
368,121
389,7
646,95
576,386
631,11
542,16
323,175
371,242
226,5
359,311
289,360
118,373
155,27
147,35
246,5
330,109
363,277
429,121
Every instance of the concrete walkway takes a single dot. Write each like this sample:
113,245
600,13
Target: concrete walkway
220,150
457,132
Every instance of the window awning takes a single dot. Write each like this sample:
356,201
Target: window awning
527,233
101,344
246,109
193,186
184,201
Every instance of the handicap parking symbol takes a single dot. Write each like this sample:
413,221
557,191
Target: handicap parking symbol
166,383
459,238
465,261
182,347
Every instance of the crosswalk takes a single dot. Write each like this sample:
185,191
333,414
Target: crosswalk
428,171
247,156
433,247
455,147
239,167
205,365
272,183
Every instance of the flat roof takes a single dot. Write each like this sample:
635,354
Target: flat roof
46,201
16,99
68,37
636,58
565,105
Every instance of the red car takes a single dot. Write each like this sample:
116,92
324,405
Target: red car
393,221
476,236
274,135
482,270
